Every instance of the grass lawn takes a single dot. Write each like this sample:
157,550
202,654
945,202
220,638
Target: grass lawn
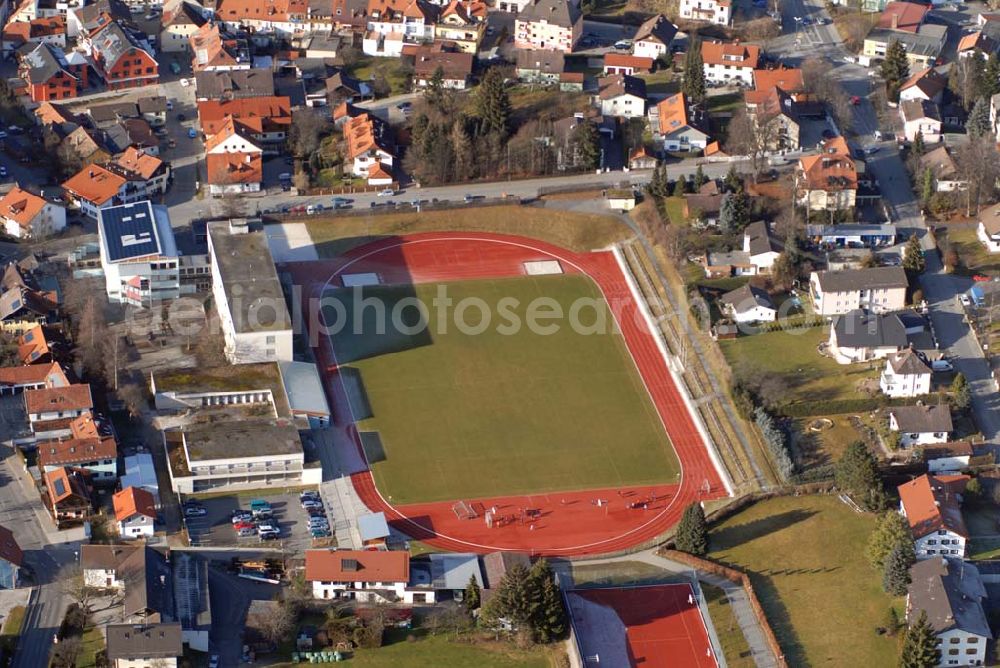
391,69
462,415
663,82
11,629
93,642
822,598
725,103
973,255
579,232
981,520
735,647
528,103
824,447
674,208
809,376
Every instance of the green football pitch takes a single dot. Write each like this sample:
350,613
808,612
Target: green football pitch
448,414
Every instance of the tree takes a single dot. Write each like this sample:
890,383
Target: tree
891,530
492,104
918,144
965,78
978,123
961,395
434,93
274,623
734,213
692,531
512,600
680,187
307,130
895,69
991,77
913,256
693,85
472,596
919,645
549,622
699,178
461,145
927,187
74,586
979,164
133,395
733,181
586,144
753,135
659,184
856,473
896,576
784,271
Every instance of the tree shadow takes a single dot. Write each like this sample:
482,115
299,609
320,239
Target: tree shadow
730,537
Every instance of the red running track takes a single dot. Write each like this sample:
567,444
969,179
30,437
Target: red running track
567,523
663,627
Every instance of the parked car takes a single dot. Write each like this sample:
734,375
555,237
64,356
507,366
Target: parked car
192,133
269,535
259,504
981,278
170,105
964,299
184,82
311,493
318,521
311,503
213,662
623,44
942,365
316,512
181,118
855,100
242,516
195,511
245,526
320,533
388,192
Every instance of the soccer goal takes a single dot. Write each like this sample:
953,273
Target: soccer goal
465,511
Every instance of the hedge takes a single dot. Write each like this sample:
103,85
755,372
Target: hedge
839,406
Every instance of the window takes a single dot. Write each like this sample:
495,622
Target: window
971,650
932,542
952,652
954,641
972,640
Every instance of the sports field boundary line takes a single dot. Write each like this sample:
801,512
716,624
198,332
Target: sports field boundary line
669,360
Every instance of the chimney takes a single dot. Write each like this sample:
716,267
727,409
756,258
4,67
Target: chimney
895,21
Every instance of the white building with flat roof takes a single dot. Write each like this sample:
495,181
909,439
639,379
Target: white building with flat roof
138,254
248,296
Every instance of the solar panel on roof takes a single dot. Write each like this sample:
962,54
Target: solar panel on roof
60,487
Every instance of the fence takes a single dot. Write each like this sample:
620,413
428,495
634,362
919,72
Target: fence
740,578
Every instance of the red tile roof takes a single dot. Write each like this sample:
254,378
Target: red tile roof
233,168
25,375
357,566
76,451
64,483
94,184
21,206
905,16
133,501
832,169
931,504
275,11
262,114
32,345
734,54
69,398
639,63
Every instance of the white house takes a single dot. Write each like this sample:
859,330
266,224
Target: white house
25,215
144,645
135,512
988,229
730,62
653,38
57,403
859,336
364,576
926,84
749,304
921,117
138,254
713,11
951,592
622,96
878,289
251,305
949,457
905,375
762,248
931,506
923,424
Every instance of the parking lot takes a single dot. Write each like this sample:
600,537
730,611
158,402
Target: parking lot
215,528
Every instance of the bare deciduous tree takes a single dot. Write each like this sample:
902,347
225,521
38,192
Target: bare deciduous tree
979,163
275,623
753,136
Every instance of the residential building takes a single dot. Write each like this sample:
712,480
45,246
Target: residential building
363,576
180,20
25,215
878,289
94,188
903,16
33,346
712,11
456,68
392,24
544,66
216,51
145,645
138,254
267,119
49,30
88,447
723,264
921,117
944,170
135,513
859,336
145,175
775,113
68,494
653,38
951,457
923,47
623,63
548,24
284,18
761,246
926,84
730,62
923,424
248,295
122,58
50,75
58,402
748,304
461,25
951,592
14,379
828,180
622,96
988,229
234,160
250,454
641,158
233,85
681,126
905,375
368,145
23,308
931,505
11,559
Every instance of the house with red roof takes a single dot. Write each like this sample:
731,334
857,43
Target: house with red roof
730,62
69,497
135,512
364,576
94,188
265,119
368,146
286,17
233,159
215,51
623,63
122,57
58,403
718,12
89,446
52,75
14,379
828,180
43,30
394,23
932,507
25,215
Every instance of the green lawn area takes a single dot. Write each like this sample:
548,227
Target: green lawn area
391,69
11,629
804,556
973,254
661,82
735,647
93,642
674,207
580,232
824,447
529,103
727,102
981,520
467,415
792,356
